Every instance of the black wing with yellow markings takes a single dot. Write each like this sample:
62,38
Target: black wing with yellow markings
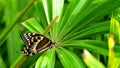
35,43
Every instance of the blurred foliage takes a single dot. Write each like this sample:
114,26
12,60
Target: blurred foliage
80,32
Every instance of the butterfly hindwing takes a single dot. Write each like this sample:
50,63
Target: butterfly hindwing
27,37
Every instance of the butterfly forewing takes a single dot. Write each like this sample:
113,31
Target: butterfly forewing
35,43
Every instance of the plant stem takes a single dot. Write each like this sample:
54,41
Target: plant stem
50,26
17,63
7,30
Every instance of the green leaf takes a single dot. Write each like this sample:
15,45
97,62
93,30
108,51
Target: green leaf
89,13
92,29
2,63
46,60
69,59
47,4
92,45
115,63
91,61
32,25
115,29
41,13
69,16
57,8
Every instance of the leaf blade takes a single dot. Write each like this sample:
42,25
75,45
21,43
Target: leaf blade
66,57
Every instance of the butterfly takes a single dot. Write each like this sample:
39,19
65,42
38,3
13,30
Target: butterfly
35,43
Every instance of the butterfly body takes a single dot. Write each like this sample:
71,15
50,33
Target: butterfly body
35,43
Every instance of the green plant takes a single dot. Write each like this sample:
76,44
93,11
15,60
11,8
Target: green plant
79,26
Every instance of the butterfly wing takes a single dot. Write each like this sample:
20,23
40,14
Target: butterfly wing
27,37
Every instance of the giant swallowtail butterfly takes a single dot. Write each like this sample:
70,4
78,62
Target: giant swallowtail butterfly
35,43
